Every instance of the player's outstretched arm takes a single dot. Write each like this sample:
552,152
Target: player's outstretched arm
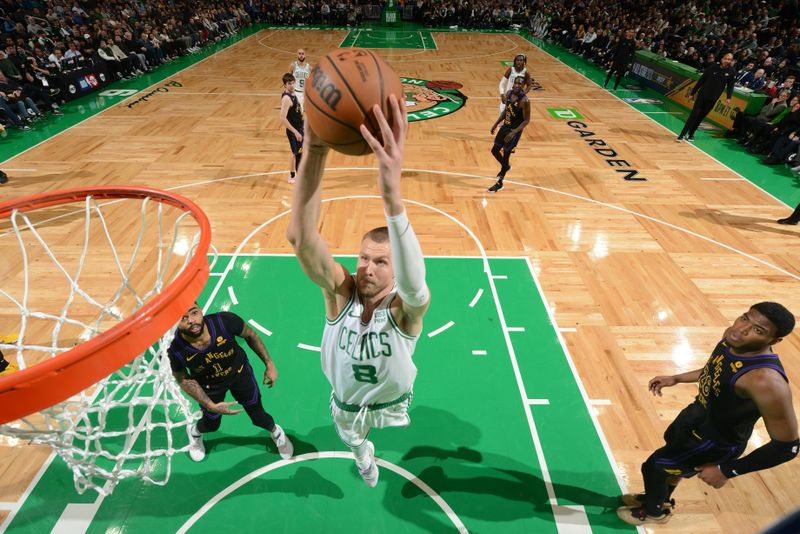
771,393
407,260
193,388
658,383
309,246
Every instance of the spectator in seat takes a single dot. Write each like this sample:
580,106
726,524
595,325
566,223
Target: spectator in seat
783,147
12,93
744,124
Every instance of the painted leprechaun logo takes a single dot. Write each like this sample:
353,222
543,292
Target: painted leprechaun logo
431,99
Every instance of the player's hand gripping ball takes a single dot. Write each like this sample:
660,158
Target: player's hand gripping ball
341,92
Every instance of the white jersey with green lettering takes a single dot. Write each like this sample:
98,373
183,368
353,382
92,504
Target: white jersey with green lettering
367,364
301,74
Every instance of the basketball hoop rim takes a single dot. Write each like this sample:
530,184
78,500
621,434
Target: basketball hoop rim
56,379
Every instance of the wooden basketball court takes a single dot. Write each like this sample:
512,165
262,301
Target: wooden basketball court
639,277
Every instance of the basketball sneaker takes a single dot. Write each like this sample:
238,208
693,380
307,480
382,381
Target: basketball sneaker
197,451
496,187
369,472
637,499
282,441
638,516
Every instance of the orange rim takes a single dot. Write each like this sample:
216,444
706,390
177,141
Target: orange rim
56,379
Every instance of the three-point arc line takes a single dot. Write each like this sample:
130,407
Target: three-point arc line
476,298
441,329
258,326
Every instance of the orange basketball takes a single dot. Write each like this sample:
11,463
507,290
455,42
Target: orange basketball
340,94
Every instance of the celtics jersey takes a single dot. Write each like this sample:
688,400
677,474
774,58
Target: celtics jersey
367,363
301,73
514,74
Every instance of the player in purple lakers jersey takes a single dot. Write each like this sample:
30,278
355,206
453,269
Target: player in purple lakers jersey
741,382
207,362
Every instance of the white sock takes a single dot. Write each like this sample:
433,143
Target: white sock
276,432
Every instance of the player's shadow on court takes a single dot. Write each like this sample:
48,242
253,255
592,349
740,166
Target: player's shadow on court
483,485
257,443
744,222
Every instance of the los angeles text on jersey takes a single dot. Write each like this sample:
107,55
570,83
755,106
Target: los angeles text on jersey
211,356
370,344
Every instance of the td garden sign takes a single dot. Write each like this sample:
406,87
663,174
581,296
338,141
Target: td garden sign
431,99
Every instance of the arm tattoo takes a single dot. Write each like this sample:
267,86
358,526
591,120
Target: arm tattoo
193,388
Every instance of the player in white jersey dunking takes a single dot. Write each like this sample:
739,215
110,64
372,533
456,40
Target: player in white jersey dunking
373,318
301,70
519,70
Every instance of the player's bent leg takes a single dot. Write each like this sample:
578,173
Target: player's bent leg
355,437
353,430
245,391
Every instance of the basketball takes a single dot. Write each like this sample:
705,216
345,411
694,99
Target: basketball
343,88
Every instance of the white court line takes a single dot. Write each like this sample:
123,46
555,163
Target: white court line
311,348
598,429
441,329
499,276
565,98
600,402
318,456
76,517
25,494
440,59
567,329
479,353
661,112
476,298
652,119
468,175
516,328
538,402
723,179
215,93
232,295
259,327
9,505
571,519
214,274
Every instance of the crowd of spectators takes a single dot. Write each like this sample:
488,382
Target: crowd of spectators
431,13
42,41
763,36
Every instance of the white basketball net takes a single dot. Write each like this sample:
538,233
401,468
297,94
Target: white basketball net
119,428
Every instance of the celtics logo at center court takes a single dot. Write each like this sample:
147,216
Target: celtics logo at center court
431,99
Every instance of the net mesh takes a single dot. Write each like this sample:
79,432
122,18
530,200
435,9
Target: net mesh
74,278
